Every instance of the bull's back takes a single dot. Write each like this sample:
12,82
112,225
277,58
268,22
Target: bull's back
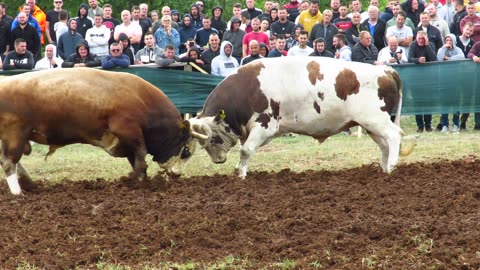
82,91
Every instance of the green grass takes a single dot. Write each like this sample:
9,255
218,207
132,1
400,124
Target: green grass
299,153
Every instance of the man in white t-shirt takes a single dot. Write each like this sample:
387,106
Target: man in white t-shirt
403,33
301,49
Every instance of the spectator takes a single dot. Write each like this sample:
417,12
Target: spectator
293,39
263,49
393,21
375,26
50,60
168,56
282,26
212,51
402,32
167,34
98,37
267,11
5,34
116,58
272,42
293,10
67,42
434,35
438,22
30,19
202,35
353,32
155,17
51,19
342,51
8,19
39,15
342,22
254,53
450,52
319,48
149,52
392,54
447,12
196,16
465,41
279,49
132,30
364,51
193,56
326,30
474,54
144,26
224,64
26,32
235,36
305,5
301,49
94,9
144,16
251,11
20,58
82,57
83,21
186,32
237,13
413,9
335,8
217,21
265,26
127,48
109,21
310,17
255,34
473,18
420,53
165,12
175,17
461,12
388,13
356,6
61,26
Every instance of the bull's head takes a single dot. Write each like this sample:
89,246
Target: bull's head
219,137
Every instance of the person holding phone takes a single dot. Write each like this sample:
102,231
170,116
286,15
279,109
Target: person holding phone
149,52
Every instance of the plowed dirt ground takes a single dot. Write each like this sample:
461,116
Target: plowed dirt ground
422,216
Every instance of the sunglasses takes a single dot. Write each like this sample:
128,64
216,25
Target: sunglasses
115,50
58,2
200,5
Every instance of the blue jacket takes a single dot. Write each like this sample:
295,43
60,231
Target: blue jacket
163,39
110,62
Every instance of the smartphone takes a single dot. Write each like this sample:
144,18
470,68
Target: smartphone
191,44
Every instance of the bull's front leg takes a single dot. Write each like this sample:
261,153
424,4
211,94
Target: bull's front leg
258,136
12,167
139,166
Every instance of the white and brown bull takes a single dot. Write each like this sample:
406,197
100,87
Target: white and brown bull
312,96
119,112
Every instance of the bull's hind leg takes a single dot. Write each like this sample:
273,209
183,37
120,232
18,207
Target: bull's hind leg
258,136
388,136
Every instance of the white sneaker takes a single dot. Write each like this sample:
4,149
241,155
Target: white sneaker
455,129
444,129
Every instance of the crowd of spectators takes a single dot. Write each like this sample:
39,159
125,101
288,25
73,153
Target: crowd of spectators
413,31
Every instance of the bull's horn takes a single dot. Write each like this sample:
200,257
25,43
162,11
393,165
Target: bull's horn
198,135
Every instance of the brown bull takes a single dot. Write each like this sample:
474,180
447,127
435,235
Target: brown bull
119,112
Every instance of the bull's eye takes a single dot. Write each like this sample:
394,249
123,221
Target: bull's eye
185,153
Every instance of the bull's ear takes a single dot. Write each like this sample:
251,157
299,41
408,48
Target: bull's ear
220,116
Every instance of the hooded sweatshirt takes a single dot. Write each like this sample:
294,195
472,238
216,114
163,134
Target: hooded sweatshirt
92,60
67,43
235,37
224,65
454,53
196,22
83,23
128,50
45,63
219,23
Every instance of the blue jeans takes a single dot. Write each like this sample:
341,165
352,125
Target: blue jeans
423,121
455,119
